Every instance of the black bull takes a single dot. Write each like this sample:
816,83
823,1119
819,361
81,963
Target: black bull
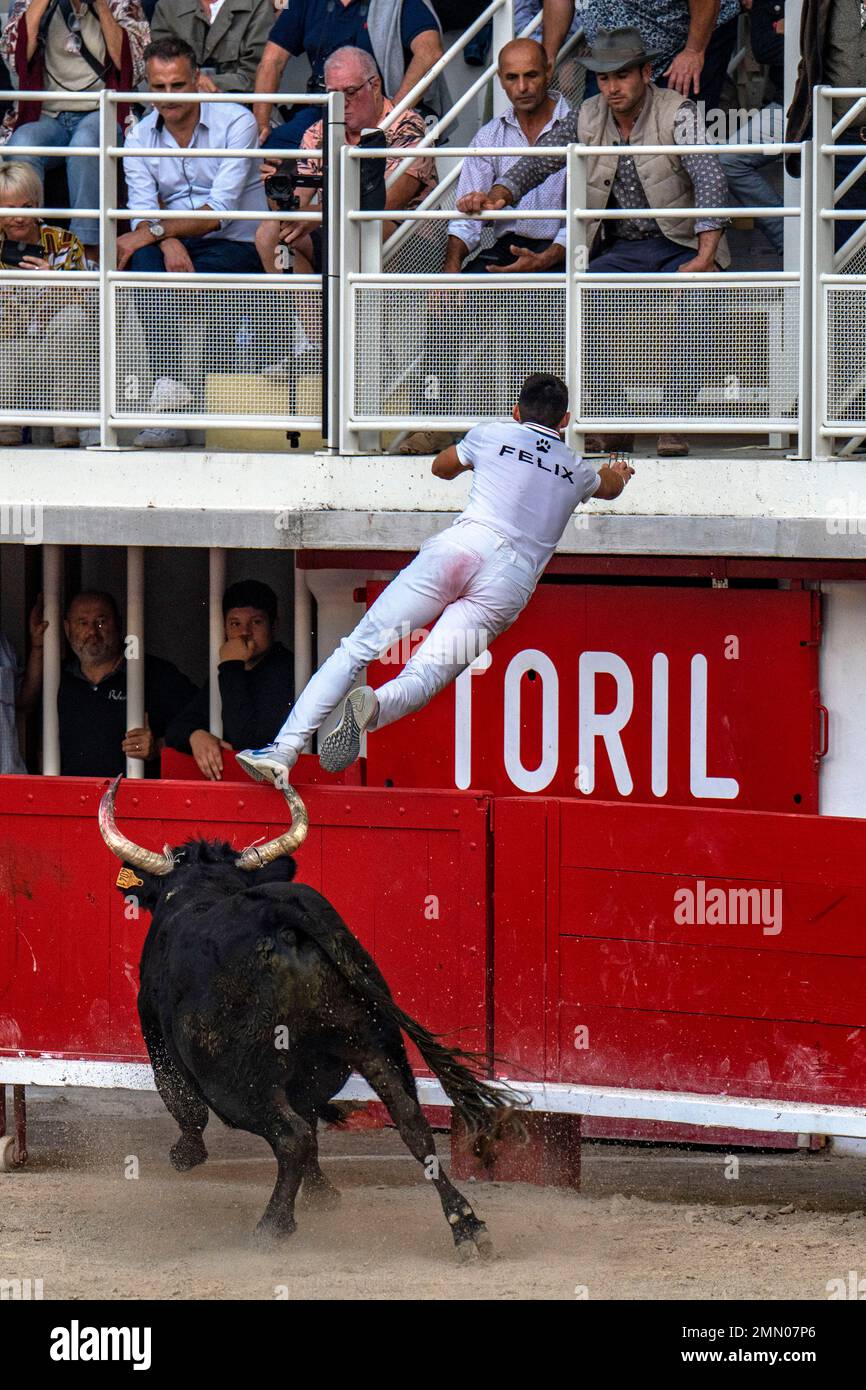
257,1002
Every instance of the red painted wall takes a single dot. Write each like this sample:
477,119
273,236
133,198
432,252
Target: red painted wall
761,654
69,955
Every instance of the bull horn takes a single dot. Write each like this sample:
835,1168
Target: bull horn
146,859
258,855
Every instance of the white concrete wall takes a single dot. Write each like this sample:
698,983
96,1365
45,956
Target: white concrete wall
843,691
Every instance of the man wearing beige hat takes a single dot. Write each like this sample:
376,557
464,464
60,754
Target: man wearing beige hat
630,110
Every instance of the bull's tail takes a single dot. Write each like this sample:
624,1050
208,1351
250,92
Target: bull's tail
486,1107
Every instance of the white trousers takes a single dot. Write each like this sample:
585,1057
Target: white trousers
468,582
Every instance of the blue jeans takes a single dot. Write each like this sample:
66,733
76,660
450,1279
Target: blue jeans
744,171
158,310
67,128
288,135
654,253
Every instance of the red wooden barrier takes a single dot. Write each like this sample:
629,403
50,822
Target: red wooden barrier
408,871
600,978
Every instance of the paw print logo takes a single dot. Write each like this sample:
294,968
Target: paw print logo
543,445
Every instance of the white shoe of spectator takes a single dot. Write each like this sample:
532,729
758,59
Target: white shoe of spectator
161,439
169,394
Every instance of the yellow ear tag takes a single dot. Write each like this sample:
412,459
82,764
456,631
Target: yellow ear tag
127,878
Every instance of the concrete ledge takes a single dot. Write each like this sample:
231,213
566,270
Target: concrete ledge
694,506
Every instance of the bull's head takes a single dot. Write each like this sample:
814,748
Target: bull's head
161,864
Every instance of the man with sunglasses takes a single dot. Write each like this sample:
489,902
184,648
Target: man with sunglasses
403,36
353,72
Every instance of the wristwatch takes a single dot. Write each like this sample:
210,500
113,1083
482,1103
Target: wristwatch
157,230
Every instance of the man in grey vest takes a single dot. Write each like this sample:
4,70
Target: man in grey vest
631,110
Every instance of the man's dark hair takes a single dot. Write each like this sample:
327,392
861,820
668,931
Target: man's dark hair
250,593
99,594
543,399
169,48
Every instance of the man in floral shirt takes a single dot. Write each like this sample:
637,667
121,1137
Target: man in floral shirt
692,39
353,72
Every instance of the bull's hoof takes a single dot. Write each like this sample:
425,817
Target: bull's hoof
320,1197
471,1237
272,1229
188,1152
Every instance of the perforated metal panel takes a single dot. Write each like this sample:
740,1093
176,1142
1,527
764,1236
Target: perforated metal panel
239,337
49,347
846,353
692,353
453,351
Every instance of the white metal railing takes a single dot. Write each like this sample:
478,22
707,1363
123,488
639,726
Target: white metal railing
728,352
839,279
409,349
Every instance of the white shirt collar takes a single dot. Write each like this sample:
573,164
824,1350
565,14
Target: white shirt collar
559,112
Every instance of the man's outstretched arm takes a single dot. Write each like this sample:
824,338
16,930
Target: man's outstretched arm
447,464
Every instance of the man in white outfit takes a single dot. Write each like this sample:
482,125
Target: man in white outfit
471,581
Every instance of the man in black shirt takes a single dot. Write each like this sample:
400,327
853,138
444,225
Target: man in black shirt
94,738
256,681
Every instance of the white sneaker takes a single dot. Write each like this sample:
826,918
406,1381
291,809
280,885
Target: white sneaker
161,439
169,394
268,764
343,744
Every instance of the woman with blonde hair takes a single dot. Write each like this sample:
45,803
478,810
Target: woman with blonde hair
47,338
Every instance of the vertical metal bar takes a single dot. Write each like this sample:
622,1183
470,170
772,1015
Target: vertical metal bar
107,260
503,33
576,259
333,327
52,560
790,192
822,264
303,634
134,648
350,263
19,1121
216,589
806,404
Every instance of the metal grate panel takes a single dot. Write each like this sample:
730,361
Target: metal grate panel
49,347
453,350
846,353
237,350
690,353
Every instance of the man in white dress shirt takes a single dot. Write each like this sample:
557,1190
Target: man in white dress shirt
217,244
523,245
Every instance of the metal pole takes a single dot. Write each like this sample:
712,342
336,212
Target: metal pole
822,264
350,263
303,637
804,335
333,327
52,562
134,649
577,259
217,585
107,261
503,33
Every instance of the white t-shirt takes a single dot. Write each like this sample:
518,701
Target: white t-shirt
525,485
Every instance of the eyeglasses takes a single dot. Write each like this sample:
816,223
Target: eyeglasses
353,91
